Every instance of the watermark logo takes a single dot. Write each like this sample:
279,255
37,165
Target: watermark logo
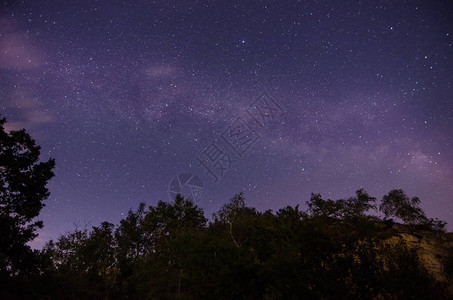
230,148
188,185
239,137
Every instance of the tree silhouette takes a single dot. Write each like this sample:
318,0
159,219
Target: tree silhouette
169,251
22,191
397,204
352,207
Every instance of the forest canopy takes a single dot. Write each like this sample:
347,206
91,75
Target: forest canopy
334,250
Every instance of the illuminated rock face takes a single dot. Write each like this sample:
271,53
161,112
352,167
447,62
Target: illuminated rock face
435,250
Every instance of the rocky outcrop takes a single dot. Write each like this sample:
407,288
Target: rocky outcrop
435,250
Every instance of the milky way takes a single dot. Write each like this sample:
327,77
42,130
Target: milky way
125,95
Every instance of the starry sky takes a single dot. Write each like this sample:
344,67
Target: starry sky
277,99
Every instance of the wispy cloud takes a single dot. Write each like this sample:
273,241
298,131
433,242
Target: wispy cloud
16,49
29,112
161,72
18,52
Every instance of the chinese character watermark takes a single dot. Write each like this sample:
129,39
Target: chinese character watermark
239,137
230,148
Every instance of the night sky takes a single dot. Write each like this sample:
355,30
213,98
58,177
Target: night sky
277,99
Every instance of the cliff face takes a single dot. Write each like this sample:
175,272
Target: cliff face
435,250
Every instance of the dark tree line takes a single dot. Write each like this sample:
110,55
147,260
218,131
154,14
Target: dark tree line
169,251
333,250
23,189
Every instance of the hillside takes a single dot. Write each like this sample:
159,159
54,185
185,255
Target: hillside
435,250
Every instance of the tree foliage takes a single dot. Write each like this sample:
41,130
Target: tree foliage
352,207
23,181
397,204
168,251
